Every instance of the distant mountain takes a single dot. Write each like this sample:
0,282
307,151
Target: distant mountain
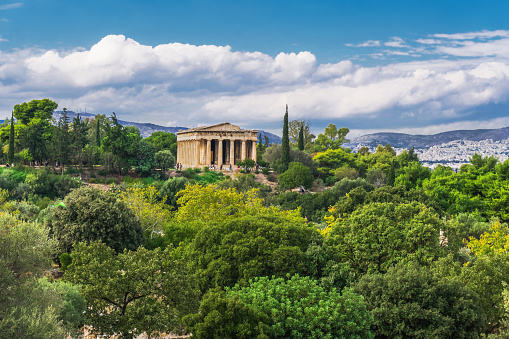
146,129
401,140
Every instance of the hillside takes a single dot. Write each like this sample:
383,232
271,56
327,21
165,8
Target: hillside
401,140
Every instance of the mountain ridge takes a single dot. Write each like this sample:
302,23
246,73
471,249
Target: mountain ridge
402,140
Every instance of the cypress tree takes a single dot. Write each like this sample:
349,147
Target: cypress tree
301,138
97,132
285,147
10,154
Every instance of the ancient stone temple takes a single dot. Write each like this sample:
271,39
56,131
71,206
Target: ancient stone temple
222,144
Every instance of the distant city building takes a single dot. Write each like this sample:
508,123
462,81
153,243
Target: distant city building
222,144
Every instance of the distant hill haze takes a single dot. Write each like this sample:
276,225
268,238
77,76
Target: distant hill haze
401,140
146,129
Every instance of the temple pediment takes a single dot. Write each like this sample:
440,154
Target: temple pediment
225,126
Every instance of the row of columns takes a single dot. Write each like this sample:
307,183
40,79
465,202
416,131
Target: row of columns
191,152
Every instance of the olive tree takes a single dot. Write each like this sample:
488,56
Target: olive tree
90,215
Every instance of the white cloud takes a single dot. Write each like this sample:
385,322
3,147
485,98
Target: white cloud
396,42
474,35
369,43
498,47
185,84
11,6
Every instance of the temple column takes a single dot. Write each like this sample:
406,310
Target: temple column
243,150
232,152
253,153
220,152
197,152
209,152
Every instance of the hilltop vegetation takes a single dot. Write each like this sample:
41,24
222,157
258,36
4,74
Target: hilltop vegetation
347,245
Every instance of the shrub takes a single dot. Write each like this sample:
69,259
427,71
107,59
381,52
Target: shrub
127,179
65,260
296,175
265,170
408,302
99,180
102,171
92,181
297,307
110,181
171,187
222,315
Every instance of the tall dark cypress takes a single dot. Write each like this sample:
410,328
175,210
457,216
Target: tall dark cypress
97,132
301,138
285,147
10,155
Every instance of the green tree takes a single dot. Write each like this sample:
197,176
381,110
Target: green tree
297,307
301,139
239,249
273,154
170,188
285,144
164,160
296,175
62,140
34,117
409,302
11,141
90,215
294,128
26,310
145,160
332,138
135,292
121,143
207,204
163,141
79,138
378,235
35,109
222,315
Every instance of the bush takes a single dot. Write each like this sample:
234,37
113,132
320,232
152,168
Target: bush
296,175
222,315
65,260
265,170
170,189
408,302
99,180
92,181
127,179
299,308
90,215
102,171
110,181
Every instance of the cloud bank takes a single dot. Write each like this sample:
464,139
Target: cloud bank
447,79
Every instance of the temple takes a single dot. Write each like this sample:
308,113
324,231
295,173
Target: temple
222,144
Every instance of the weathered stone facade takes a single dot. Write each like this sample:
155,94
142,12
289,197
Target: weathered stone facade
222,144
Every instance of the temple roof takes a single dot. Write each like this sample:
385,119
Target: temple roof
224,126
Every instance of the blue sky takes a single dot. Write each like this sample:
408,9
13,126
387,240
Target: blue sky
404,66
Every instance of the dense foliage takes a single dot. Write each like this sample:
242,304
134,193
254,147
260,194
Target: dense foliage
90,215
377,246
